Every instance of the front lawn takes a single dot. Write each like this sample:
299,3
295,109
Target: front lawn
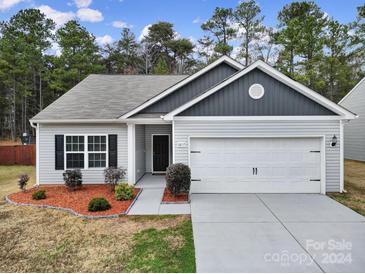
9,176
46,240
354,197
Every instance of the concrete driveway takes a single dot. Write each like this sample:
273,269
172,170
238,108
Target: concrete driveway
276,233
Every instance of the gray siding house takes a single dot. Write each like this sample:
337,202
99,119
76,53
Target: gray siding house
355,131
241,130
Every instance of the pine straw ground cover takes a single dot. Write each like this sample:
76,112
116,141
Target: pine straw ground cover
354,197
171,199
78,200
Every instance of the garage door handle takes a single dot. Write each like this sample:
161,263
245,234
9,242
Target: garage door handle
254,171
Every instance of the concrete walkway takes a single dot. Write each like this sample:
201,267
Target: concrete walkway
149,201
276,233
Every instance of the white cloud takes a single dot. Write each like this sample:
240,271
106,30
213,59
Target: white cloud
82,3
7,4
144,32
59,17
103,40
120,24
89,15
197,20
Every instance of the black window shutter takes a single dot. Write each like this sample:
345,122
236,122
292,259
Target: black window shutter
59,148
113,150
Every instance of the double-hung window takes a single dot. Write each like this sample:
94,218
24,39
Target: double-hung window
75,152
85,151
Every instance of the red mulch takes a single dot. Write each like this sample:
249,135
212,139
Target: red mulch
169,198
78,200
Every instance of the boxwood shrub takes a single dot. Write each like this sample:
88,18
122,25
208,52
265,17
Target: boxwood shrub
99,204
178,178
39,195
124,192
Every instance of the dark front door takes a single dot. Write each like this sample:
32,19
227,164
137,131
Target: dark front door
160,153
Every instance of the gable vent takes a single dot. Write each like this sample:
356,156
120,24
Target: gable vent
256,91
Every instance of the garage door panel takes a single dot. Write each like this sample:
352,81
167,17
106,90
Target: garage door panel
256,165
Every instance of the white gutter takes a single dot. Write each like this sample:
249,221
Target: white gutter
37,150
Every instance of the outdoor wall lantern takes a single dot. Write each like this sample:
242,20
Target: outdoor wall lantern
334,141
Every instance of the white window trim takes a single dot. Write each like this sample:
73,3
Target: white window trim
86,151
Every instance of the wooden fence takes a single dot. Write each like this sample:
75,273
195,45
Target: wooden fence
18,155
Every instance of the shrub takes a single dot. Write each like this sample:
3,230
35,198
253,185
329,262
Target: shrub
73,178
99,204
22,181
124,192
112,175
39,195
178,178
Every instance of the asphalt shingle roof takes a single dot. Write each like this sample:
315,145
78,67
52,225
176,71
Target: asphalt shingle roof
107,96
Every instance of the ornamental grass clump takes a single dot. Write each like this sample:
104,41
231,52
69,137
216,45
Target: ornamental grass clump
124,192
178,178
22,181
112,175
73,179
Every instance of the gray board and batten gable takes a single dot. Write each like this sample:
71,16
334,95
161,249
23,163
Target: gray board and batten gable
278,100
190,90
107,96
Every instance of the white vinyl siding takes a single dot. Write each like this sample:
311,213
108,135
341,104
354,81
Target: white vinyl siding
47,172
140,152
355,129
154,129
184,129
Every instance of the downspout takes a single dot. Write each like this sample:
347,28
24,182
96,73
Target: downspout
37,149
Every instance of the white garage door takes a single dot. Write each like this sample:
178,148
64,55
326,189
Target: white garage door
255,165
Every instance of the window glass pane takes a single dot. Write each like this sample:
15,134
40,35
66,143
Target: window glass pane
74,160
96,143
97,160
74,143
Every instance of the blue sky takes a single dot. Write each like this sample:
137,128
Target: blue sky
105,17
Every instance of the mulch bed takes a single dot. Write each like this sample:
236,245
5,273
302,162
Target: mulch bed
168,198
78,200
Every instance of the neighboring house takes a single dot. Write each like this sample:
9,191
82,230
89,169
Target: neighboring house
239,129
355,131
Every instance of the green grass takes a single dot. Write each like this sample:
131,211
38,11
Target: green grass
9,178
167,250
